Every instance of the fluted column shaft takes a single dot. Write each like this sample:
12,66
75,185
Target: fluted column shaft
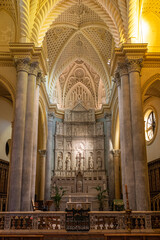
15,181
49,157
139,148
127,136
42,173
35,135
116,157
28,140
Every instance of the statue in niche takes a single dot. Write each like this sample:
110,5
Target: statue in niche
59,128
90,115
90,161
79,183
69,145
90,129
79,186
79,160
60,162
75,131
68,115
99,129
68,131
68,162
99,162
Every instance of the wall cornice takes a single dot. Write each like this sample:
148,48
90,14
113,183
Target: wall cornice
128,51
28,50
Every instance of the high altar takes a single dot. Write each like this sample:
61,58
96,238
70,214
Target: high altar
79,159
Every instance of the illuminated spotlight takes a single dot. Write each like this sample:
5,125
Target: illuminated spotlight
109,61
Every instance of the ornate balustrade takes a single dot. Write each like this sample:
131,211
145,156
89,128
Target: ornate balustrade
129,221
102,221
32,220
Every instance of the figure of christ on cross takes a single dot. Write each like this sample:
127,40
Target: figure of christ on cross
79,161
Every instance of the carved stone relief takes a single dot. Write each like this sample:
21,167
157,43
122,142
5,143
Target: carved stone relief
79,153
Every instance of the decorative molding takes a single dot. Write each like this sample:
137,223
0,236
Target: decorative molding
34,68
122,69
134,65
22,64
108,117
51,116
117,79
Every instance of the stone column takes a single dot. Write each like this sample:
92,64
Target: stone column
127,135
28,140
116,157
139,147
49,153
42,173
110,158
15,181
117,80
35,134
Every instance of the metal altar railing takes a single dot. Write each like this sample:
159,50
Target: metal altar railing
103,221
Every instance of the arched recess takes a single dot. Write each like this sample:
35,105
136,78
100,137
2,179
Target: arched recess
6,127
79,92
7,30
148,83
85,72
41,153
9,87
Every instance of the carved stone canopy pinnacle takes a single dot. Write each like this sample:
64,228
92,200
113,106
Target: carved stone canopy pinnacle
134,65
40,79
22,64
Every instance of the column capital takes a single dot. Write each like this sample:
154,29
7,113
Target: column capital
42,152
134,65
51,116
116,152
108,117
122,68
34,68
117,78
22,64
40,79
